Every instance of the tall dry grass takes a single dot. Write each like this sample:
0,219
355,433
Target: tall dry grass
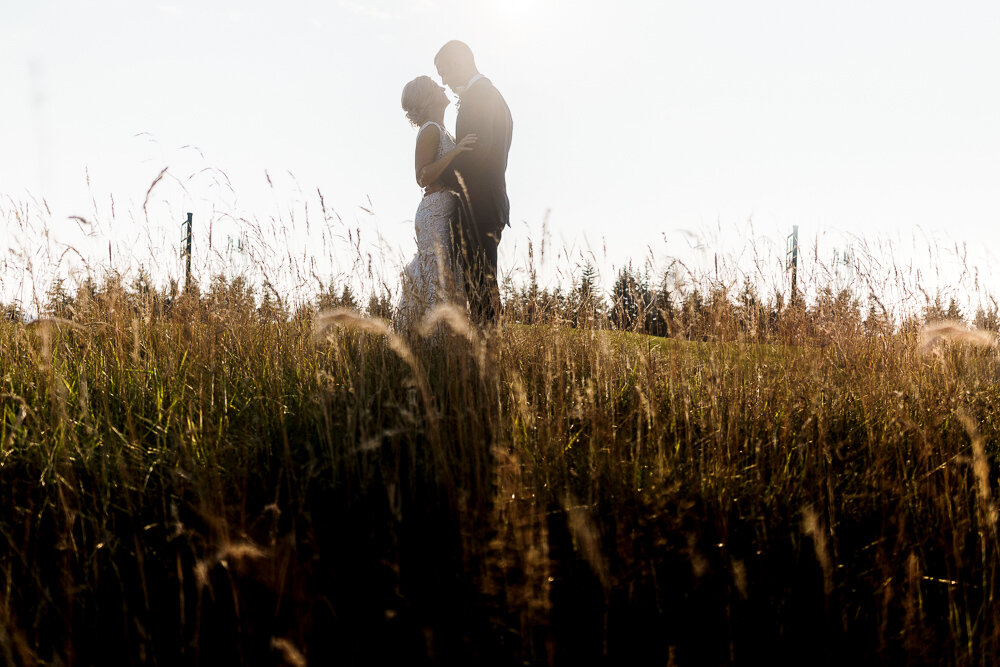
191,482
220,476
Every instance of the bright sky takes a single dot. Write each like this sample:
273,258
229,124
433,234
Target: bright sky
641,129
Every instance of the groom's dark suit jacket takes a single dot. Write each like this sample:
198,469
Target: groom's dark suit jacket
483,112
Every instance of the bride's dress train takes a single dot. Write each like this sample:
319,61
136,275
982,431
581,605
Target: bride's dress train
432,276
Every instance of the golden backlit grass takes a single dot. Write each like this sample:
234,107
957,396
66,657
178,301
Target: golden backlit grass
836,497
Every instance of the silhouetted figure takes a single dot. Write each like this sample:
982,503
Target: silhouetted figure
478,176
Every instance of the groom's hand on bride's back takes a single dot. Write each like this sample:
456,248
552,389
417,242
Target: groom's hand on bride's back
466,143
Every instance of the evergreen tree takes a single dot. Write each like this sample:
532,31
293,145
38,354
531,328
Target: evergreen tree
692,314
631,301
752,317
272,306
584,303
58,301
954,312
988,319
236,296
527,304
662,312
329,298
877,321
935,310
380,305
588,280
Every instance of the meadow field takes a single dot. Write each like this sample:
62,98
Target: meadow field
193,478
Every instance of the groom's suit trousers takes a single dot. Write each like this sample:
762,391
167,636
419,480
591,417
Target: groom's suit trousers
477,257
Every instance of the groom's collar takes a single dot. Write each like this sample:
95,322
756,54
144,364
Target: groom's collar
463,89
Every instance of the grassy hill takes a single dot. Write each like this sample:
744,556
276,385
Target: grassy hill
200,483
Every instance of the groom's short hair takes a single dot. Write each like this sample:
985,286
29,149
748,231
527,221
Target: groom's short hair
456,51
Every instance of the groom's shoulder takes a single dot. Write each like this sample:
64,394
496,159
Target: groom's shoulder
484,91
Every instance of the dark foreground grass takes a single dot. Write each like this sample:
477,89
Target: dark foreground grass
200,486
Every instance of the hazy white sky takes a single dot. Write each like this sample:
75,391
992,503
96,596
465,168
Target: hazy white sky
638,125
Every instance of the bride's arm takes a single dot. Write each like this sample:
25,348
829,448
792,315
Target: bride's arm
428,170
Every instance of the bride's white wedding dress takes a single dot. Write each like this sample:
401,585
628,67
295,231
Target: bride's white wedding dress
432,276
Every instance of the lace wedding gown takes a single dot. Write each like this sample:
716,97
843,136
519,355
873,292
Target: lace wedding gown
432,276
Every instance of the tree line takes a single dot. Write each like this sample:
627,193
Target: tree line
637,303
641,303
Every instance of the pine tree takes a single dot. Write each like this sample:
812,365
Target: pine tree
380,305
662,312
988,319
328,297
751,315
584,302
935,310
692,314
58,301
272,306
631,302
877,321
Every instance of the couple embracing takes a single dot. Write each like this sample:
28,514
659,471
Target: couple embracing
465,207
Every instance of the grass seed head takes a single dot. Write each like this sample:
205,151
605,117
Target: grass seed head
952,331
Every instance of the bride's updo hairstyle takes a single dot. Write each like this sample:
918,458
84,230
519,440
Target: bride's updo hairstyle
416,99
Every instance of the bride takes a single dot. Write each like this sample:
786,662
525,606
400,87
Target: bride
432,276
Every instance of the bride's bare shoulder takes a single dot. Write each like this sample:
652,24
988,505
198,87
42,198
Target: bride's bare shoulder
431,128
428,137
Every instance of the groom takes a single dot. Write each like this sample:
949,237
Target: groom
478,176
